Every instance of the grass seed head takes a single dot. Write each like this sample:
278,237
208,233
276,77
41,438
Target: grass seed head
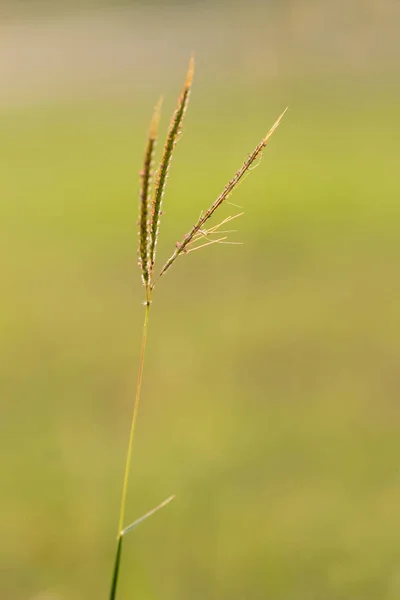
162,173
145,190
182,247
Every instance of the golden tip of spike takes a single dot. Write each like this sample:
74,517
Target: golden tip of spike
155,118
190,73
275,125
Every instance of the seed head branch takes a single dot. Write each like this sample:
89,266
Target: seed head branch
162,173
231,185
144,206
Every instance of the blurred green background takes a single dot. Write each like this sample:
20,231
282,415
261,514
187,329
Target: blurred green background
270,401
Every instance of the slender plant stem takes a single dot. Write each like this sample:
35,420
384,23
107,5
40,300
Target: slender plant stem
134,419
114,582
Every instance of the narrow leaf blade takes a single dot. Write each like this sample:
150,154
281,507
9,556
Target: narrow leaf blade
147,515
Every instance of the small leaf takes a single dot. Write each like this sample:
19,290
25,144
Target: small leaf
146,516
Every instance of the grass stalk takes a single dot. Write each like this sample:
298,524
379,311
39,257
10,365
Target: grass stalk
117,562
135,410
148,226
128,459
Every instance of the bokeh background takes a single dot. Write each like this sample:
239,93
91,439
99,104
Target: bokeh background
270,401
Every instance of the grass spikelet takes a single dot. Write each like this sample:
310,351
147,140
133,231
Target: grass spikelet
181,247
162,173
144,206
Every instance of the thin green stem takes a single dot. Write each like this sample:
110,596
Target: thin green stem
134,419
114,582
